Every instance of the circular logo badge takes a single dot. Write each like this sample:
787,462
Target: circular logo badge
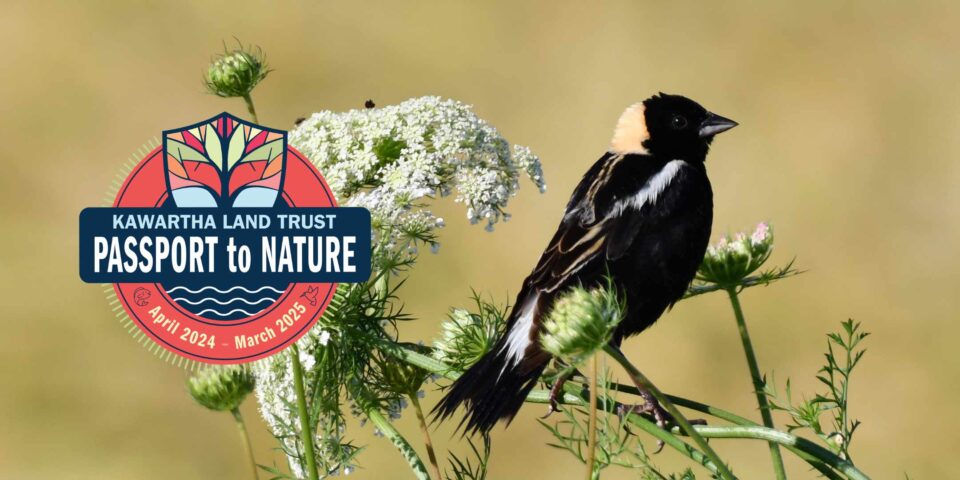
224,244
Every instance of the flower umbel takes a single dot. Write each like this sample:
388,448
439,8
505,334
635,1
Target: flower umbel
466,336
402,378
733,258
582,322
221,388
236,73
392,159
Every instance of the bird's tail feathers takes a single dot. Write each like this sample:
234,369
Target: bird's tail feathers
493,389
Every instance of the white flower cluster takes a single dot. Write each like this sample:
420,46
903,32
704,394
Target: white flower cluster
758,243
389,159
277,400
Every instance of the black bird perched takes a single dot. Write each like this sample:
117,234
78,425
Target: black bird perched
642,214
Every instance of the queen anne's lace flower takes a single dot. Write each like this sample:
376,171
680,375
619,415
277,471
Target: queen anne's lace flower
581,322
390,159
731,259
277,399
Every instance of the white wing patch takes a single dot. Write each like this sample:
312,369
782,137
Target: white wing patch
518,338
651,190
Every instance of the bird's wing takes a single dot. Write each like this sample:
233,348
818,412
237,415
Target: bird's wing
594,228
592,232
590,196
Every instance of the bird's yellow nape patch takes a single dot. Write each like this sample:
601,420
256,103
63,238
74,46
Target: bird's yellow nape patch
631,131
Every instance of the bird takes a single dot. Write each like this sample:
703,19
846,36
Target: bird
640,216
310,294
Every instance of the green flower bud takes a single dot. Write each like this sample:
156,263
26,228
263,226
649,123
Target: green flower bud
732,259
400,377
581,323
466,336
221,388
236,73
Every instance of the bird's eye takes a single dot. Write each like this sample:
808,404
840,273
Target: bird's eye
678,122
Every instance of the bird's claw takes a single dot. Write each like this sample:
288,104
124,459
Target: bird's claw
553,407
662,418
555,392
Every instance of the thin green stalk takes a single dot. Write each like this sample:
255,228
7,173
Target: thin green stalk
418,359
433,365
802,448
752,281
592,424
674,442
785,439
758,387
572,397
736,420
670,440
250,108
409,454
246,440
678,417
306,429
431,454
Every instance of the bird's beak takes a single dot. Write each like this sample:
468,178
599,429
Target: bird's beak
715,124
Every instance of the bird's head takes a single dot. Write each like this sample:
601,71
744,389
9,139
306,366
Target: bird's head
669,126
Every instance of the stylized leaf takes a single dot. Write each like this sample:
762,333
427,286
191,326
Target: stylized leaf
224,158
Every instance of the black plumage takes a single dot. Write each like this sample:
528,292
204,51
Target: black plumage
641,213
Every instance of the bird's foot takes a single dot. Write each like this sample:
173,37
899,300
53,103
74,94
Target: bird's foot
556,391
661,417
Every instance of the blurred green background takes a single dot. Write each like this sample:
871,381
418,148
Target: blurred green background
848,143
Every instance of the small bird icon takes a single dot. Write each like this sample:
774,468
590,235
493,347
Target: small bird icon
642,214
310,294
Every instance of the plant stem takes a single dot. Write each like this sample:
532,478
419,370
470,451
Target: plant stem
736,420
753,281
822,466
673,442
785,439
246,440
543,396
306,430
592,424
431,455
250,108
418,359
758,383
643,381
822,460
401,443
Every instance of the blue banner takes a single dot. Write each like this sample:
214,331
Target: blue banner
224,245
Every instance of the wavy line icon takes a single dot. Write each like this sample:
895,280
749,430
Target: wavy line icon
215,289
214,300
224,314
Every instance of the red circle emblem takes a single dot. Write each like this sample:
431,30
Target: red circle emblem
224,324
